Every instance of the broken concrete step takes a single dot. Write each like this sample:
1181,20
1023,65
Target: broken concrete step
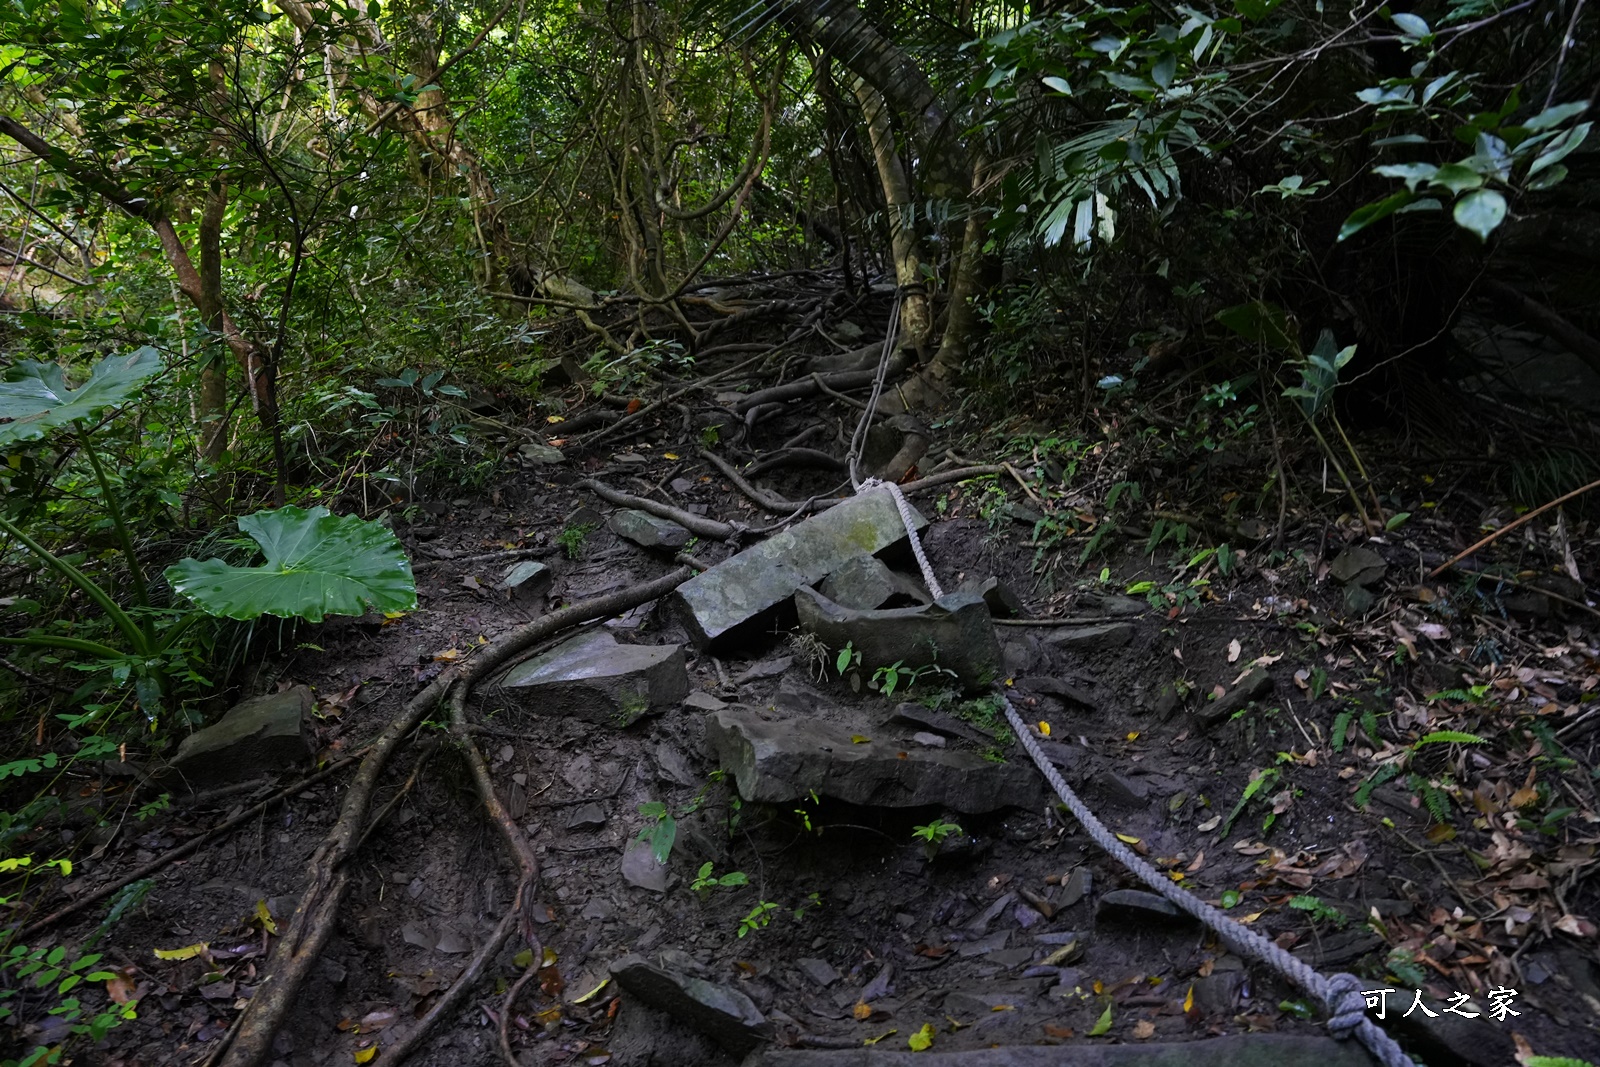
782,761
647,530
596,678
722,1013
866,582
954,633
1237,1050
259,736
742,594
1092,638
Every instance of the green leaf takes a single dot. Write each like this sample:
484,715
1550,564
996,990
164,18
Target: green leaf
1551,117
1397,520
1058,84
1457,177
36,397
922,1039
1230,898
1367,214
1102,1024
1459,737
1481,212
1261,322
317,564
1411,172
1414,25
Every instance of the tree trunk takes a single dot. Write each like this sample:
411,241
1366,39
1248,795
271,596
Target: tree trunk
213,371
916,314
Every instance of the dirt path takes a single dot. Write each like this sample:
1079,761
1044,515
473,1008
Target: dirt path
846,930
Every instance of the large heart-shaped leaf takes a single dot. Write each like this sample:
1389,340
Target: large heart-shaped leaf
36,397
317,564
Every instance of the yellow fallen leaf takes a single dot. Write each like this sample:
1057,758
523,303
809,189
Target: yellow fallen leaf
1188,1000
669,455
922,1039
1252,917
1176,876
858,739
265,918
1003,1007
874,1040
1133,735
366,1055
1098,987
593,992
448,655
523,959
553,419
1127,839
1044,728
187,952
862,1010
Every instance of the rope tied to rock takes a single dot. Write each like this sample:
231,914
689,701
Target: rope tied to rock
1340,995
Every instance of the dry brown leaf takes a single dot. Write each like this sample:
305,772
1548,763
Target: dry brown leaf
1144,1029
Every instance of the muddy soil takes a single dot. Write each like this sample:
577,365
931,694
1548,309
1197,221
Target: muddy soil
846,929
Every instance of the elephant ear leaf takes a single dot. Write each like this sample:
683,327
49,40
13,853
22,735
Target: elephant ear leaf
36,397
317,564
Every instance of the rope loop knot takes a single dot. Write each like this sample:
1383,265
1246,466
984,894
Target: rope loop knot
1347,1007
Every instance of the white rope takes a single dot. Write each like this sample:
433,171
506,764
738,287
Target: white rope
1340,995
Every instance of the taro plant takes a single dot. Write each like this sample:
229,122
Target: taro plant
316,564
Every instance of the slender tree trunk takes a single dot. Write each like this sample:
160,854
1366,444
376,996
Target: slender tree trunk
916,313
213,371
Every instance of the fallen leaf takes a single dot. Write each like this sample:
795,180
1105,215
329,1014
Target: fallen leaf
553,419
922,1039
1234,648
264,917
120,986
449,655
1044,728
1210,824
858,739
1188,1000
1127,839
634,405
1102,1024
669,455
1002,1007
1052,1030
862,1011
1133,735
874,1040
365,1055
187,952
593,992
1144,1029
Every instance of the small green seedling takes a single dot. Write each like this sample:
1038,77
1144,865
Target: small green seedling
759,918
572,538
934,834
704,881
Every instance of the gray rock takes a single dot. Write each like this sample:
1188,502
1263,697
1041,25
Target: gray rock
639,867
938,722
954,633
1218,993
1138,906
584,515
1114,605
984,945
259,736
1075,889
783,761
647,530
594,678
864,582
1123,791
928,740
700,700
767,668
744,594
589,816
541,454
819,971
1253,686
1358,600
1236,1050
528,577
1453,1038
724,1014
1358,565
1092,638
673,767
1002,599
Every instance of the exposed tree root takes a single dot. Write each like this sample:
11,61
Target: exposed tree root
146,870
810,385
328,873
695,524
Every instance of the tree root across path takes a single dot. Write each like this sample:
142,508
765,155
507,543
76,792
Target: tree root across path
328,872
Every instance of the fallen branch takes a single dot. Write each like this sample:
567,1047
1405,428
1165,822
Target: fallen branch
328,873
811,384
1507,528
799,457
760,497
146,870
695,524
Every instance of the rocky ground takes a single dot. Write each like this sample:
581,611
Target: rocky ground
779,816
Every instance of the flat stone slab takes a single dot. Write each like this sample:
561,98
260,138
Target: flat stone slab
744,592
720,1012
779,761
1236,1050
955,632
1136,905
1092,638
258,736
647,530
596,678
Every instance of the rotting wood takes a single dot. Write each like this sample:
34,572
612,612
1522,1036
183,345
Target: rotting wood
328,875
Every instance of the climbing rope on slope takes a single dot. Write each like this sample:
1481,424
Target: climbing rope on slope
1341,995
